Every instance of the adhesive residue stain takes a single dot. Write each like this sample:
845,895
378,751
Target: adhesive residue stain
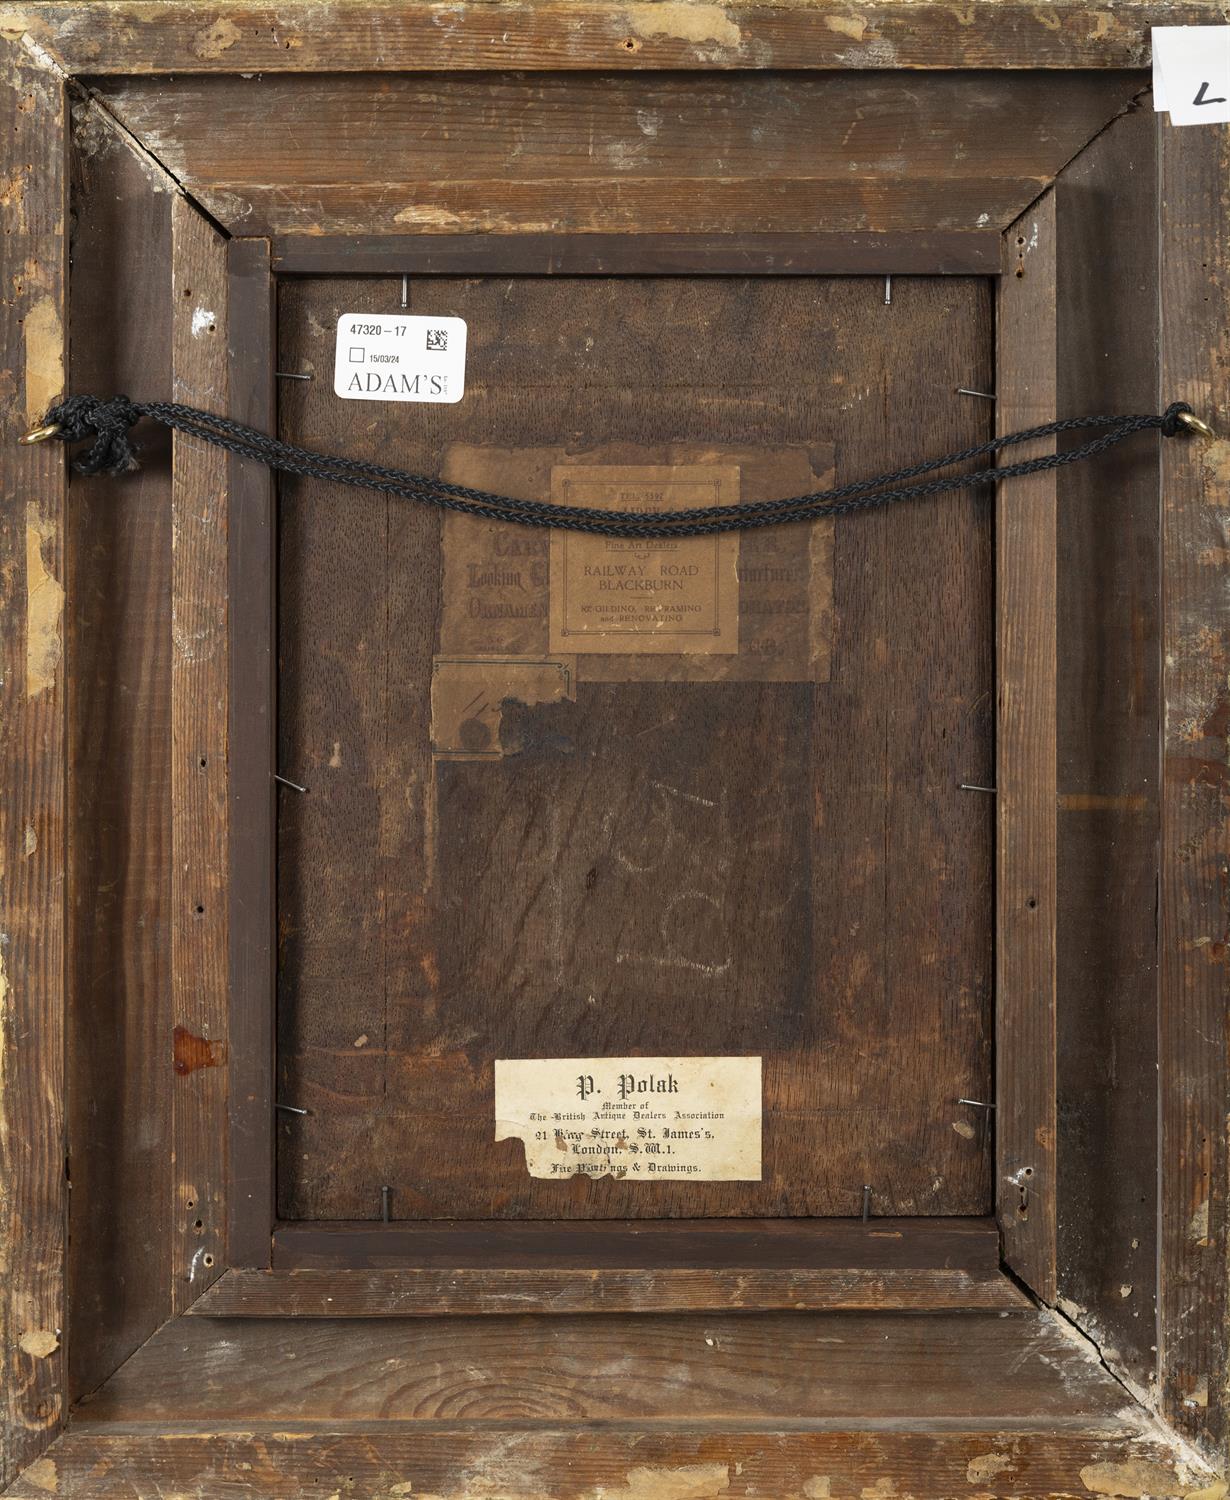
44,606
192,1052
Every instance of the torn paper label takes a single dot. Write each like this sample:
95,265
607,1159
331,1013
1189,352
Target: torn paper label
642,1119
1191,73
469,694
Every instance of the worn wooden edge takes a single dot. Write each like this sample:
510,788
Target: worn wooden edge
636,1461
199,745
251,579
961,253
33,808
958,253
891,1243
164,36
1194,895
417,1292
1026,766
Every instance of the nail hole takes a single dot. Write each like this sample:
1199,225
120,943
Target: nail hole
200,911
200,1224
207,1260
1032,903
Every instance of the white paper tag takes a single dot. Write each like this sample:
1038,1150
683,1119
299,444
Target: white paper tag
1191,73
640,1119
399,357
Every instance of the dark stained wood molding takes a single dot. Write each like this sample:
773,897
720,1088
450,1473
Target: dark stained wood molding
1025,781
1194,992
884,1244
253,737
165,36
427,1268
960,253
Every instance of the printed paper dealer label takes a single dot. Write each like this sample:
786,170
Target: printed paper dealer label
399,357
635,595
643,1119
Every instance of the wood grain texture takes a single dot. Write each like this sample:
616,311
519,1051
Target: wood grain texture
961,253
1195,888
120,1047
437,915
33,807
419,1293
1108,709
608,154
1025,777
165,36
251,549
199,687
766,1368
455,1463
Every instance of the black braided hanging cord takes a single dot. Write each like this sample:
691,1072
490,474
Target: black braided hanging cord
111,452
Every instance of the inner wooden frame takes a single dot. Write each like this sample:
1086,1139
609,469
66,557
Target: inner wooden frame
1190,171
1025,1009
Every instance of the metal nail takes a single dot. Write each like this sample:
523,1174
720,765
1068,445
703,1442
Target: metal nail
866,1201
969,786
386,1194
292,1109
290,375
976,1103
985,395
405,291
294,785
888,290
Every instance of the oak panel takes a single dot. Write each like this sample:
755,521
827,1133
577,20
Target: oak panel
436,915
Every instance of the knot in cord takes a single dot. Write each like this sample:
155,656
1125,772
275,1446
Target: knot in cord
111,452
1171,427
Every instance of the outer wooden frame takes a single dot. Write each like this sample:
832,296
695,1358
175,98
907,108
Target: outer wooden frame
46,44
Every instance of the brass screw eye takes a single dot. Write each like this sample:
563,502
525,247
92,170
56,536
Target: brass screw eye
1194,424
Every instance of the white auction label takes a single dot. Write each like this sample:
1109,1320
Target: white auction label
642,1119
399,357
